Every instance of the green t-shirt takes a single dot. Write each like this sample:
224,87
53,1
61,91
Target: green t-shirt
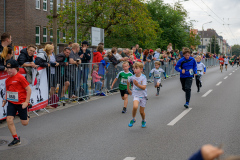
123,77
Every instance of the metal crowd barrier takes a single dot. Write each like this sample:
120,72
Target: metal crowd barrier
74,83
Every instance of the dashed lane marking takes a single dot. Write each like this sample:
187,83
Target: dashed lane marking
218,83
230,74
207,93
180,116
233,71
226,77
129,158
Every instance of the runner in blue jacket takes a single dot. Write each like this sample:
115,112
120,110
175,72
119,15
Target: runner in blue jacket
187,67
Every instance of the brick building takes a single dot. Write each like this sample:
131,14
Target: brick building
27,21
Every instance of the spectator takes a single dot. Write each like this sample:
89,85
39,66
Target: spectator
119,57
140,52
6,54
25,58
169,47
97,56
75,59
6,41
86,57
63,60
43,59
150,56
181,53
70,45
135,51
145,55
96,78
156,55
123,54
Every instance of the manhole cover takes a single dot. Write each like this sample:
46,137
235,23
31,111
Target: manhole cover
3,142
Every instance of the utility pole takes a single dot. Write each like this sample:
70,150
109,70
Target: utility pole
55,25
215,43
75,21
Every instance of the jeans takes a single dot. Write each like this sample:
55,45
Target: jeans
98,86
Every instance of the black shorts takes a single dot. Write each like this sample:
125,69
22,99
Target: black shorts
221,64
226,64
123,92
12,109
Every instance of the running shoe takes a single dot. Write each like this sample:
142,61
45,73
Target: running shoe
131,123
15,142
157,94
124,110
143,124
186,105
198,90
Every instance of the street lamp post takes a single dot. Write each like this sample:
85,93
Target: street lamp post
202,33
75,21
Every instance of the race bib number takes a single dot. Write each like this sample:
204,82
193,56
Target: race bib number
157,76
12,96
191,71
221,61
124,81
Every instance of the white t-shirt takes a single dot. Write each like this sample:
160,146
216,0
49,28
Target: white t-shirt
226,60
157,72
200,67
142,80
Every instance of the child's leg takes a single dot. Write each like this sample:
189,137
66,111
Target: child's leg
135,107
142,113
11,125
125,100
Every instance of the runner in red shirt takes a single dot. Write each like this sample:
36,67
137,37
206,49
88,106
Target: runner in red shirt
18,96
221,62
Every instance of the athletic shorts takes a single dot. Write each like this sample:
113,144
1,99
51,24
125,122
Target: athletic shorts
142,101
226,64
123,92
157,80
12,109
221,64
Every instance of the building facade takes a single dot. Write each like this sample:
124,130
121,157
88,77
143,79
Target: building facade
27,21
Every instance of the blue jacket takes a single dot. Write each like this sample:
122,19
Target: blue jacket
191,64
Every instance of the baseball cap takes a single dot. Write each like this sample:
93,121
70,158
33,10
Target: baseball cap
151,50
12,63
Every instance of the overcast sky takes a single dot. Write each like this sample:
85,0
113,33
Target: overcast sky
226,12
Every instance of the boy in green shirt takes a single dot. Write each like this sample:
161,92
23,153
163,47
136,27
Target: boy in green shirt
123,77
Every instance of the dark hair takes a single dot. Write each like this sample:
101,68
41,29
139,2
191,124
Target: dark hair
4,36
114,49
100,48
29,46
85,42
101,43
186,50
146,52
67,48
70,43
9,50
49,42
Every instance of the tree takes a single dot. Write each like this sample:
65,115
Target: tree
236,50
212,42
122,20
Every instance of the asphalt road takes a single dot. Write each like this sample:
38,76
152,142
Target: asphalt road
97,130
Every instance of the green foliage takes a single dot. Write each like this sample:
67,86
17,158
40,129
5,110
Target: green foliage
236,50
212,42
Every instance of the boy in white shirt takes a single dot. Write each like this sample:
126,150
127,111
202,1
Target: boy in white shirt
139,92
200,67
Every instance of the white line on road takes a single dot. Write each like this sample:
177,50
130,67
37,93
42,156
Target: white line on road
218,83
129,158
233,71
205,95
180,116
236,69
226,77
230,74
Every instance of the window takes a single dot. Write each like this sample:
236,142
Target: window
51,35
44,34
64,36
51,4
58,36
205,39
37,4
37,35
45,5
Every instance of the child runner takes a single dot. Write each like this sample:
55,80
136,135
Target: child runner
187,71
123,77
18,96
200,67
139,92
226,62
157,76
221,62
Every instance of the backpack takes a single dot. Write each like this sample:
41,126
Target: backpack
53,101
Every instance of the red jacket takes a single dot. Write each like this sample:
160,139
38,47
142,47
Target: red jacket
97,57
135,58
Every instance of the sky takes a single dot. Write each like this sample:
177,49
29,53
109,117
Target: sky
219,12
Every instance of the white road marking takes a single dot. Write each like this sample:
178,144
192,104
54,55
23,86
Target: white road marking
207,93
129,158
230,74
226,77
180,116
218,83
233,71
236,69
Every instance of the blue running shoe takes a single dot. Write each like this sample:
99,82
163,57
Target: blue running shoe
186,105
143,124
131,123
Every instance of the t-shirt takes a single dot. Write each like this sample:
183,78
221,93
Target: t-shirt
74,56
221,60
123,77
15,87
142,80
157,72
226,60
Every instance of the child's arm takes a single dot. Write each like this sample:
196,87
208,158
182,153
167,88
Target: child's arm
128,88
115,80
25,104
143,87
